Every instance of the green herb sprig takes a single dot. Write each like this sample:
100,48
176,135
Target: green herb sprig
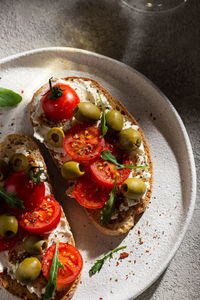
99,263
109,206
35,173
52,281
9,98
10,199
107,155
104,127
55,92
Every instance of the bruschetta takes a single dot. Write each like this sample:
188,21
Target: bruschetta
34,232
99,148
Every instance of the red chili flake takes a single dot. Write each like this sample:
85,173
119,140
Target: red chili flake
126,277
147,251
100,298
81,282
141,242
123,255
134,261
139,231
22,91
117,264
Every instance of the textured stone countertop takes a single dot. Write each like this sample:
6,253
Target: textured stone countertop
164,47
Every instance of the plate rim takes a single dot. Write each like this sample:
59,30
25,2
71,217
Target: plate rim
147,81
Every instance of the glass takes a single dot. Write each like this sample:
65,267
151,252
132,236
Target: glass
154,5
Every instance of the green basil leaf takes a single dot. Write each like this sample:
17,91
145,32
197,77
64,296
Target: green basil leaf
9,98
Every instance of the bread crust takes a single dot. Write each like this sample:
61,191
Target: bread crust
116,228
7,147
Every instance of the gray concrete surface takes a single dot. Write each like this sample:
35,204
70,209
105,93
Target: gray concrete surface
165,47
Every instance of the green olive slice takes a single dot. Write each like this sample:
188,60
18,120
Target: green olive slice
8,226
72,170
86,112
18,162
129,139
35,245
28,270
3,170
114,120
133,188
55,137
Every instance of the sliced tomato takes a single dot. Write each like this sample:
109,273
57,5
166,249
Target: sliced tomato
43,219
104,172
71,259
62,107
83,142
89,194
7,244
32,195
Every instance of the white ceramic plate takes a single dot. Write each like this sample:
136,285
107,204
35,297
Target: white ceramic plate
164,223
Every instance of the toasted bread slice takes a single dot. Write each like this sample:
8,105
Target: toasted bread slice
7,148
115,227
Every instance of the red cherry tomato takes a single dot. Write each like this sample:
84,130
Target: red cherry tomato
43,219
7,244
71,259
89,194
104,172
32,195
62,107
83,142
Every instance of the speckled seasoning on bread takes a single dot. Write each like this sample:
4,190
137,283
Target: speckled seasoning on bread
27,145
122,220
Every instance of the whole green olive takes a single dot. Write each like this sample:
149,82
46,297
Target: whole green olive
3,169
35,245
8,226
129,139
86,112
55,137
28,270
72,170
133,188
114,120
18,162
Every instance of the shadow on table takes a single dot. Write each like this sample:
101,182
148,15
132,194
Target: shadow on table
100,26
170,57
151,290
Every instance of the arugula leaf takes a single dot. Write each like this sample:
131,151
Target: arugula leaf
104,128
10,199
107,155
52,281
109,206
99,263
35,175
9,98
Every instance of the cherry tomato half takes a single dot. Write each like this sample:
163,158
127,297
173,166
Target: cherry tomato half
89,194
83,142
71,259
43,219
104,172
62,107
31,194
